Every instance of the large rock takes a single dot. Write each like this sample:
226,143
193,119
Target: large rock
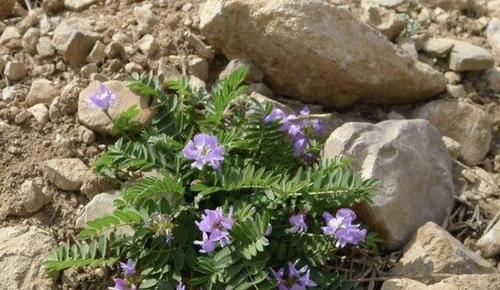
317,52
6,8
74,39
458,282
66,173
468,57
434,251
489,244
41,91
466,123
96,120
413,167
22,251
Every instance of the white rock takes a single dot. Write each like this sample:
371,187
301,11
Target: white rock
40,113
42,91
30,39
65,173
74,39
254,74
386,21
22,251
79,5
468,57
383,151
489,244
438,47
466,123
198,67
15,71
434,251
148,45
97,121
45,47
101,205
10,33
303,57
97,53
32,197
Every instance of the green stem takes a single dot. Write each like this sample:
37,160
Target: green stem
114,124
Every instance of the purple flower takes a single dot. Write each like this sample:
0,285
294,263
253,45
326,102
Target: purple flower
215,228
300,145
122,284
342,229
102,98
204,150
180,286
128,268
298,223
276,114
297,279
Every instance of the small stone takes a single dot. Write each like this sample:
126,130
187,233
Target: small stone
133,67
45,47
42,91
114,65
74,39
30,40
201,48
438,47
97,53
434,251
453,77
54,110
198,67
9,34
403,284
101,205
86,135
456,91
10,93
40,112
386,21
115,50
53,6
410,47
447,4
79,5
453,146
148,45
32,197
87,70
254,75
146,19
467,57
15,71
166,72
66,173
489,243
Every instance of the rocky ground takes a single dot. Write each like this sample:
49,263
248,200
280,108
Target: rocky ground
413,87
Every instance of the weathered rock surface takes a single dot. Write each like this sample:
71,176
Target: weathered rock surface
22,251
438,47
66,173
74,39
32,197
482,188
383,151
79,5
97,121
384,20
15,70
468,57
493,34
303,57
40,112
403,284
434,251
466,123
101,205
41,91
458,282
489,244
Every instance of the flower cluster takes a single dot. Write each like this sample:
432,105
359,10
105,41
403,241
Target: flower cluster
161,225
215,228
342,229
102,99
129,271
204,150
299,128
296,279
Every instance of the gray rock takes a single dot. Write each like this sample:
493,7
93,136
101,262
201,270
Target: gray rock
74,39
30,40
15,71
456,91
32,198
489,243
101,205
202,49
45,47
22,251
254,74
40,112
134,67
97,53
466,123
383,151
434,251
198,67
438,47
468,57
66,173
148,45
42,91
79,5
302,57
97,121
